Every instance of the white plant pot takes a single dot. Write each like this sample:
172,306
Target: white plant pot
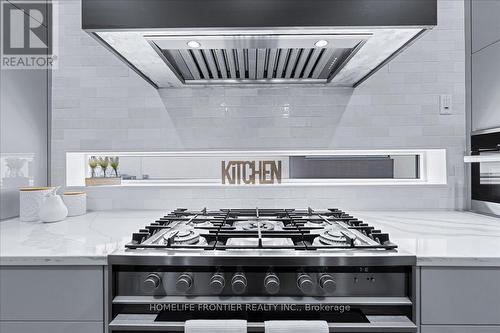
30,201
76,203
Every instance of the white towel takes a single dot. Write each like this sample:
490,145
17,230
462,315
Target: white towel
215,326
296,326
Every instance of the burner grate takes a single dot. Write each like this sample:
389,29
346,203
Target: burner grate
305,229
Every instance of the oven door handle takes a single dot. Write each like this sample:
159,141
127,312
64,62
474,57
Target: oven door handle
376,324
492,158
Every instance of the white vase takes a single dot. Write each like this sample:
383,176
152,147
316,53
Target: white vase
76,202
30,201
53,208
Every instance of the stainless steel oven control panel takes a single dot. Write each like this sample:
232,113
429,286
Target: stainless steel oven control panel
268,283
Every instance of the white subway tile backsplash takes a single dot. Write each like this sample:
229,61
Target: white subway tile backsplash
100,104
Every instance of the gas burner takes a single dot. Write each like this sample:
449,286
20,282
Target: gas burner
184,236
333,236
254,225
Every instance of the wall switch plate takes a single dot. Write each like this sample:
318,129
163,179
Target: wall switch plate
445,104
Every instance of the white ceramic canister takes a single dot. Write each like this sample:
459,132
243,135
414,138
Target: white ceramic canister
30,201
76,203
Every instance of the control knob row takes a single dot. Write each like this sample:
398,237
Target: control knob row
239,283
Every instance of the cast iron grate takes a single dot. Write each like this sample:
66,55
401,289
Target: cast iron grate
301,227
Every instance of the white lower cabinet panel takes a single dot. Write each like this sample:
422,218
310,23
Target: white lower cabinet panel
459,329
51,327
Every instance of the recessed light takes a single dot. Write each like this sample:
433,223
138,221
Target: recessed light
321,43
193,44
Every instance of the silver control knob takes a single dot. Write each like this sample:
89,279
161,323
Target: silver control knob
327,283
305,283
272,283
239,283
184,282
217,283
152,282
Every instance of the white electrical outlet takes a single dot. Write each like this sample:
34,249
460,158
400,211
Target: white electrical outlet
445,104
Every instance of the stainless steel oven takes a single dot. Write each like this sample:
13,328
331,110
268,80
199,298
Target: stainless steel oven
485,172
160,293
260,265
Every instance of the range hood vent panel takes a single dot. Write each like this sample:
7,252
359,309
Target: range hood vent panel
206,66
256,58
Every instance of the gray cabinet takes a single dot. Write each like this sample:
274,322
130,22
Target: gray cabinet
485,23
52,299
486,87
51,293
460,296
51,327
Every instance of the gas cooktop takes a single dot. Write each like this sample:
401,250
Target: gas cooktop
246,229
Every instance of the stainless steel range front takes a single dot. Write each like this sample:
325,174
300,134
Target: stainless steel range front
261,265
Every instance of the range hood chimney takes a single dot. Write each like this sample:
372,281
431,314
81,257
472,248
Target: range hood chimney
177,43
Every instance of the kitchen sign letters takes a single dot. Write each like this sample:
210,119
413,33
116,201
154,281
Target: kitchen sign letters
251,172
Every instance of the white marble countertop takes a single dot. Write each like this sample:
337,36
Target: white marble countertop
437,238
79,240
441,238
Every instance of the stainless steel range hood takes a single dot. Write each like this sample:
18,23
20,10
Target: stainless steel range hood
252,59
175,43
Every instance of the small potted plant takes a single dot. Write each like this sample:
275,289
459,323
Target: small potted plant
92,165
114,162
104,162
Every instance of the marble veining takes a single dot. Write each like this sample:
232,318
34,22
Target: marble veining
437,238
441,238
